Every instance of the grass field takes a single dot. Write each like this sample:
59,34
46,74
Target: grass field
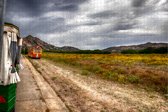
148,71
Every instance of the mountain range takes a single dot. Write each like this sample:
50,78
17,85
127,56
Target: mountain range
30,41
136,47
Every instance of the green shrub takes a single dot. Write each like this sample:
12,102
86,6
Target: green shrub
111,75
24,51
121,78
95,69
85,72
129,51
133,79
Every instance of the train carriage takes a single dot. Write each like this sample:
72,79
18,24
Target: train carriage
10,51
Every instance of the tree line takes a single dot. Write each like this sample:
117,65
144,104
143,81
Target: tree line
149,50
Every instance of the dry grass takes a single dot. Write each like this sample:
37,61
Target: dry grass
149,70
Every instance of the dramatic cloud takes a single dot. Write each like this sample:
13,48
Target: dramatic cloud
138,3
91,24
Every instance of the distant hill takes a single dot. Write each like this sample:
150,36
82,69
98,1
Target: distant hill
135,47
33,41
68,48
30,41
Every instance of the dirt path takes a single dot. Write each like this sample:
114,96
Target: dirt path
34,94
86,94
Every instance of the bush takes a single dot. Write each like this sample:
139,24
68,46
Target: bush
148,50
95,69
24,51
129,51
133,79
162,50
111,75
85,72
121,78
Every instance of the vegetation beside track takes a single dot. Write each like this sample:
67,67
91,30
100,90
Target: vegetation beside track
145,70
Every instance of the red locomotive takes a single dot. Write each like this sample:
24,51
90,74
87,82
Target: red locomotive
35,52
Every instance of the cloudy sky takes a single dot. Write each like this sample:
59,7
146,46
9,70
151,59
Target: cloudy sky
91,24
